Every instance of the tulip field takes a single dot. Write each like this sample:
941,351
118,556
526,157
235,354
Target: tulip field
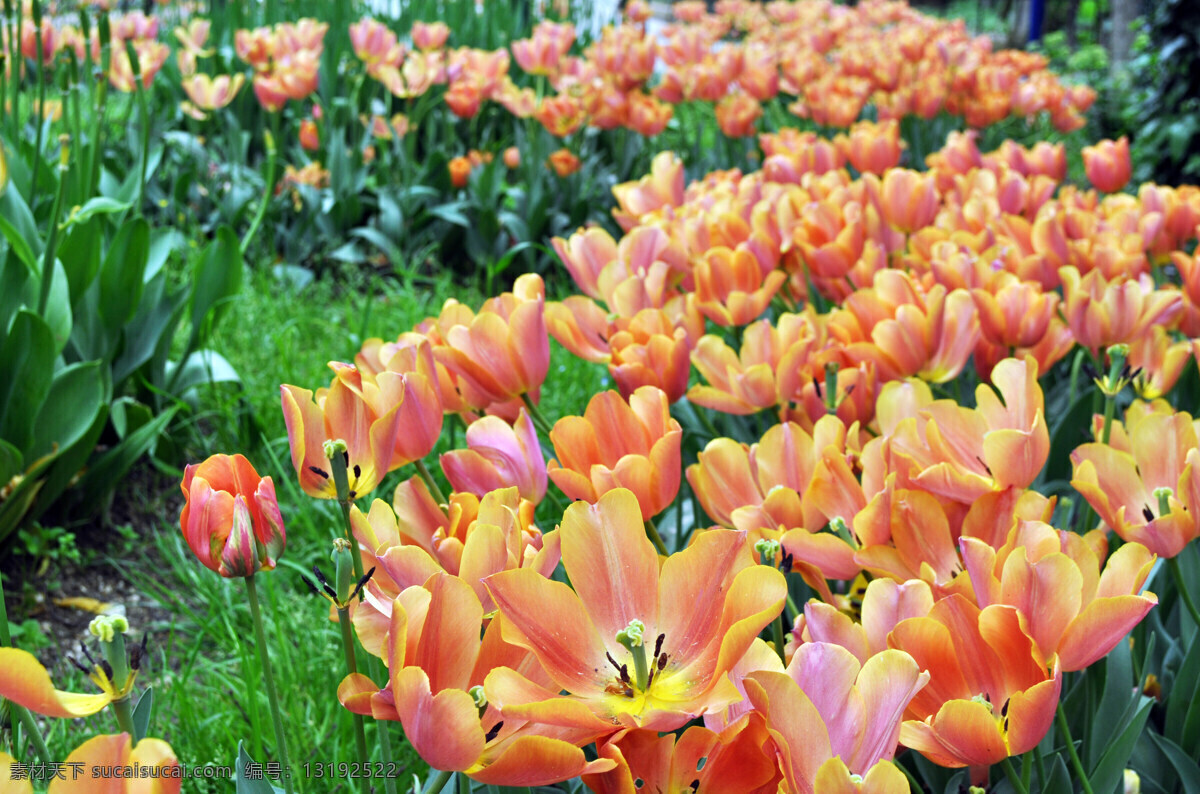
449,397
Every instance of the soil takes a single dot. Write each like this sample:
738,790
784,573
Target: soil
36,589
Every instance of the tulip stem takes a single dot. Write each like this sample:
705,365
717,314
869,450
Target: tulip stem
655,538
777,633
1013,778
439,782
1177,573
1065,730
264,659
539,418
430,483
360,736
124,713
1041,765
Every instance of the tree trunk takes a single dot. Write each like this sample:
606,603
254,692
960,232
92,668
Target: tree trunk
1123,14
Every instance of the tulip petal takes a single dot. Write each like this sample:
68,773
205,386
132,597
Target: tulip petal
538,761
24,681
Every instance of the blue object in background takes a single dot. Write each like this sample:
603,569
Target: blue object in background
1037,10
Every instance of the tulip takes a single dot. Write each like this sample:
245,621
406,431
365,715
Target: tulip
460,171
543,52
512,158
1149,492
617,445
463,98
209,94
662,187
737,115
498,455
88,769
1107,164
991,694
874,148
1103,312
564,163
1073,611
26,682
438,657
907,200
1014,313
428,37
733,287
654,650
230,518
375,45
651,351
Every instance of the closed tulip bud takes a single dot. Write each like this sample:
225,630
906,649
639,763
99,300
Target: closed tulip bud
231,519
1107,164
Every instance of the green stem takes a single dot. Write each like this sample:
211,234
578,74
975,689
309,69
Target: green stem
360,736
1177,573
792,609
706,420
1065,730
269,191
538,418
264,659
914,784
144,113
440,782
777,633
52,237
1041,765
430,483
40,111
655,538
1013,778
123,709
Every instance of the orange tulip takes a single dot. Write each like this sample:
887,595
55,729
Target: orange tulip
745,382
463,98
738,114
1107,164
542,53
1149,492
652,652
460,171
1014,313
907,200
503,351
619,444
432,36
960,453
310,139
564,163
512,157
1160,361
832,718
662,187
884,604
651,351
873,148
376,45
1103,312
991,694
498,455
438,657
151,56
646,115
97,757
736,759
209,94
230,518
1072,609
732,287
26,682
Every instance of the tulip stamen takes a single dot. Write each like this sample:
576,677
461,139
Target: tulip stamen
1147,513
612,661
495,730
317,470
695,785
658,644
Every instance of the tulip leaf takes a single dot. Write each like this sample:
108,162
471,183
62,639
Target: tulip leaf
151,327
1181,701
99,205
1059,780
1073,429
1110,771
1189,772
201,367
216,280
76,394
1115,702
10,461
69,462
79,252
27,361
14,508
121,275
141,715
19,227
113,464
257,784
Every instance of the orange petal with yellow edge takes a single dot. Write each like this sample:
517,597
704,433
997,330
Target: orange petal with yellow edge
443,728
538,761
24,681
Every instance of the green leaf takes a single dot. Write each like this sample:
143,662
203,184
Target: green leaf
121,276
1073,429
19,227
27,360
79,253
67,465
14,508
1059,780
216,278
128,415
1181,699
1115,702
141,715
11,462
1189,772
1110,771
201,367
110,467
158,316
246,785
100,205
76,394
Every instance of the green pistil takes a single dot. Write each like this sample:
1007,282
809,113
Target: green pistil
1163,495
481,701
632,639
767,550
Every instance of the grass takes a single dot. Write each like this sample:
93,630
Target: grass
205,676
